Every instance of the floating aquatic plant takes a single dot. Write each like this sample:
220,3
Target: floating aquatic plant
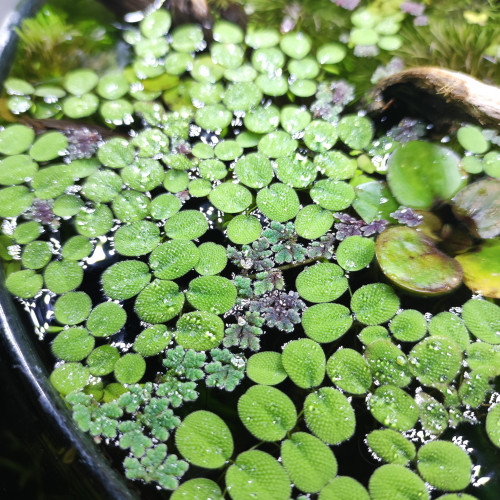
227,197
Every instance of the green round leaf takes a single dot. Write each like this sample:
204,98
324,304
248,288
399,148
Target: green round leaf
266,368
396,481
164,206
393,407
371,333
101,360
15,200
62,276
73,344
204,439
333,195
50,182
313,221
72,308
326,322
69,377
138,238
228,150
17,169
304,361
294,119
212,260
447,324
159,302
131,206
277,144
472,139
267,412
199,330
156,24
24,284
388,362
390,446
96,221
329,415
336,165
349,371
435,360
214,294
262,119
106,319
116,153
67,205
409,325
213,117
308,461
374,304
278,202
444,465
433,414
254,170
231,198
242,96
77,248
303,68
411,260
256,474
331,53
152,340
16,139
213,170
49,146
198,489
102,186
420,173
296,44
27,231
321,283
493,424
482,318
146,174
343,488
320,136
130,368
80,81
173,259
355,253
186,225
36,254
80,106
244,229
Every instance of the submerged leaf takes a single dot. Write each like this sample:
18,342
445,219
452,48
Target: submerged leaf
420,173
411,260
482,269
478,205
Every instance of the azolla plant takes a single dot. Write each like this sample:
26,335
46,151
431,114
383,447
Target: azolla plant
242,275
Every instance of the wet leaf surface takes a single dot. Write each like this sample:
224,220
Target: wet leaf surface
478,205
411,260
482,268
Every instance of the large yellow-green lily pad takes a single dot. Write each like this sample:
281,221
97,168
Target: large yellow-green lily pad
482,268
410,259
478,205
421,173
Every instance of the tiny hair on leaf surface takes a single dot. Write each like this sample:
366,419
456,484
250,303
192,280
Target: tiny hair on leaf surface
250,249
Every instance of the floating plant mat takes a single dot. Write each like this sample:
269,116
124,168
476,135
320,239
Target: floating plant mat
249,284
